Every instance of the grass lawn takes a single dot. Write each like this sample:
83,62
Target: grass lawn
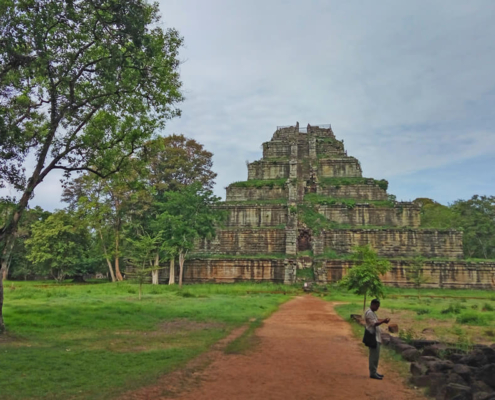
94,341
463,317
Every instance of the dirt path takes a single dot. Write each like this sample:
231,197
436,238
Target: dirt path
306,351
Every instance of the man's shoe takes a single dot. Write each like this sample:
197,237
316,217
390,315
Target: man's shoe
376,376
380,375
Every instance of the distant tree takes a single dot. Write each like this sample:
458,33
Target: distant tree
436,215
364,278
176,161
415,274
59,246
477,219
83,84
142,257
108,204
186,216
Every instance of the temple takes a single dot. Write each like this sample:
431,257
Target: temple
306,205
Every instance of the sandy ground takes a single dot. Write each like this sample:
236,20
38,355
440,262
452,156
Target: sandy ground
306,351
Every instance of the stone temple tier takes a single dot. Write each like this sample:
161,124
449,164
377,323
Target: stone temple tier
306,205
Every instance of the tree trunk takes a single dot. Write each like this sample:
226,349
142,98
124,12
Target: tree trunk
2,325
78,279
181,266
154,273
171,279
7,257
106,257
117,266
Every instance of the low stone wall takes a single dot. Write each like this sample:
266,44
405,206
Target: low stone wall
357,192
251,193
366,214
268,170
255,215
397,243
233,270
243,241
440,274
339,167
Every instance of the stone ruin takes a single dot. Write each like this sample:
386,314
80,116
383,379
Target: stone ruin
306,175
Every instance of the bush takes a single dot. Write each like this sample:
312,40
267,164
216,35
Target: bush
487,307
422,311
471,318
453,309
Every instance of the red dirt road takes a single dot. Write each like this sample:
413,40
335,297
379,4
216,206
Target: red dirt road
306,351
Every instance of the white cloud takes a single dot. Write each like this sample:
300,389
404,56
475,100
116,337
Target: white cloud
408,85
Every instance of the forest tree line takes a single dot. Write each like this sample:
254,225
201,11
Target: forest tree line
148,213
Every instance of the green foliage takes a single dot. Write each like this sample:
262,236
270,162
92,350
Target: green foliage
84,84
471,318
414,273
258,183
382,183
313,219
315,198
475,217
60,246
364,278
307,274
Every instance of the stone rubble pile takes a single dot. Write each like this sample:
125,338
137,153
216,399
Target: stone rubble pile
448,372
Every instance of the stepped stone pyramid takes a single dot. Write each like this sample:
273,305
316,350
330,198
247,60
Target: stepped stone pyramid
304,207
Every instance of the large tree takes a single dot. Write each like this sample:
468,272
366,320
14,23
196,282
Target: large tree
187,215
82,85
60,246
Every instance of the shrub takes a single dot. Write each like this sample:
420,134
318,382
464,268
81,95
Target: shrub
487,307
471,318
422,311
453,309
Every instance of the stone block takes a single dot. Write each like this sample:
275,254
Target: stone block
418,369
463,370
393,328
434,350
410,354
455,391
486,374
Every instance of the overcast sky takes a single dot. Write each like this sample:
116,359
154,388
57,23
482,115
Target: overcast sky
408,85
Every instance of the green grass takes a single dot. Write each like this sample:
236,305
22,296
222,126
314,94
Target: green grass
95,341
456,315
382,183
306,273
258,183
256,202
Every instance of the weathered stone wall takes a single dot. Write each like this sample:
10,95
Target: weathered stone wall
440,274
233,270
276,149
358,192
255,215
251,193
243,241
339,167
397,243
367,214
268,170
330,149
303,148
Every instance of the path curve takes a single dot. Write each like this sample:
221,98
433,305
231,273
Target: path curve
306,351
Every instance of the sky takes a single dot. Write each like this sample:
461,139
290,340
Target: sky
408,85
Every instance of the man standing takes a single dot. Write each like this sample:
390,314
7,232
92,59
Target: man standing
373,326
